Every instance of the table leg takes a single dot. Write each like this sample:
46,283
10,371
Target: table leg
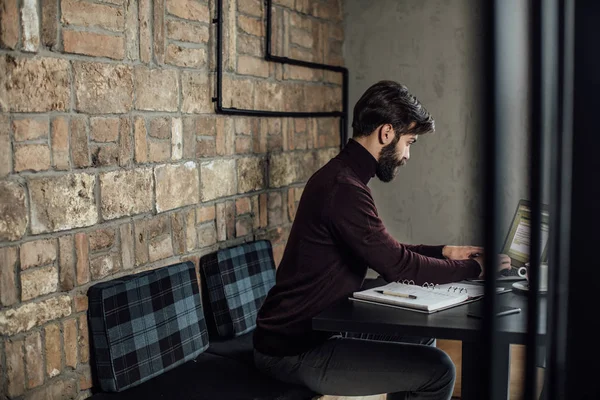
473,370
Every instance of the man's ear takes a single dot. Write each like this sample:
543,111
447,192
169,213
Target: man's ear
385,134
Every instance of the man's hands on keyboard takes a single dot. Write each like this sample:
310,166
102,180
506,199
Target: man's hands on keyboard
502,263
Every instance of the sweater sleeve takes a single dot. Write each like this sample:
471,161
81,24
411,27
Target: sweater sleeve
356,226
426,250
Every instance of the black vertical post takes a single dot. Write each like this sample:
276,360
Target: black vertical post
539,77
584,267
560,210
489,386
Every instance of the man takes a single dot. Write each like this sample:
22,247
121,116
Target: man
336,236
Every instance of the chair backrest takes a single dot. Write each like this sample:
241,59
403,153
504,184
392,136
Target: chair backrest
237,280
145,324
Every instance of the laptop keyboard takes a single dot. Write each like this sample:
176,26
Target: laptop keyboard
510,272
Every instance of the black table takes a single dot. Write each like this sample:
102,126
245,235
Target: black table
453,323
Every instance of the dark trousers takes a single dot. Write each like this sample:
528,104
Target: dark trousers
346,366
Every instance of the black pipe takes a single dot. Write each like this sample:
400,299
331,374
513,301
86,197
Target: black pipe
560,209
541,96
218,100
489,386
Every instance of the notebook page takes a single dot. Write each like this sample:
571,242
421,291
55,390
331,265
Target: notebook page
427,299
470,289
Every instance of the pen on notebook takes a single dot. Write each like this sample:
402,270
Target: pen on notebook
408,296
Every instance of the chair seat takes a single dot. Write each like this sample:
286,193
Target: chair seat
211,377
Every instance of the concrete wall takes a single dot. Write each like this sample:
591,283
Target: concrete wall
431,46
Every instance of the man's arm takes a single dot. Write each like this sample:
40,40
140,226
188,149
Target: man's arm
426,250
354,221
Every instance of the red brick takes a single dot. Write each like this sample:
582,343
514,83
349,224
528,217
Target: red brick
15,367
187,32
252,26
9,24
183,56
81,303
177,227
132,46
83,13
70,339
254,66
101,239
243,145
6,158
33,360
242,206
159,150
248,44
103,156
263,210
195,93
238,93
140,141
83,262
94,44
251,7
30,129
255,212
125,142
85,378
145,31
243,226
225,139
159,31
127,246
83,338
160,128
37,253
141,242
295,72
32,157
301,38
49,22
67,263
189,9
190,230
104,130
60,143
286,3
291,204
206,147
53,350
8,285
205,214
79,143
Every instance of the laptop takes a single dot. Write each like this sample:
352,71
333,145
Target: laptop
516,244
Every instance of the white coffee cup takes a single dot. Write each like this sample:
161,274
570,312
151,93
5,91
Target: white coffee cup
543,275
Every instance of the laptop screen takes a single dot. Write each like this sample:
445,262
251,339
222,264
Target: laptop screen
517,241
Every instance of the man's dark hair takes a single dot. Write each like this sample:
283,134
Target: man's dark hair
388,102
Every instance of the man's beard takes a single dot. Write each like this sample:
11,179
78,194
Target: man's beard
388,163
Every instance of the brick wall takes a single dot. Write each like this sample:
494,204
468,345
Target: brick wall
112,160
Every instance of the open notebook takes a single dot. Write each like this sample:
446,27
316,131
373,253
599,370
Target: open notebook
427,298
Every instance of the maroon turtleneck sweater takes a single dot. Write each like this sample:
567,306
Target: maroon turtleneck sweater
336,236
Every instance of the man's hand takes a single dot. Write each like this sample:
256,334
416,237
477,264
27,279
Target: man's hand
461,252
503,262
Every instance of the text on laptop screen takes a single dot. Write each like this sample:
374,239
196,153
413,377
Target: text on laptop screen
518,239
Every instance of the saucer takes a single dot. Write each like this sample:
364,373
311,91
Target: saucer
524,286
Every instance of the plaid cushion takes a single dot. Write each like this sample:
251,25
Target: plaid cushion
145,324
238,280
